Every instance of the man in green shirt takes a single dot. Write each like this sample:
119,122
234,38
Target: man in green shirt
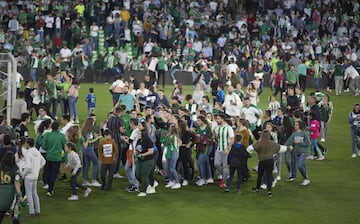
292,77
302,70
53,143
52,95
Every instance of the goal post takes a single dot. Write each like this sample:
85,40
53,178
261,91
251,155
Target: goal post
8,69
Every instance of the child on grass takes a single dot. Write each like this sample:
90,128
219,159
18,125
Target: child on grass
91,101
74,164
237,160
107,152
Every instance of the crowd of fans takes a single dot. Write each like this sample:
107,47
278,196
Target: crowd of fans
283,44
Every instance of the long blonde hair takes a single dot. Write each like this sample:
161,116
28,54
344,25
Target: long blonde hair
264,140
88,126
74,134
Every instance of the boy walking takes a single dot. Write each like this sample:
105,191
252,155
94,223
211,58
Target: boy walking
107,153
91,101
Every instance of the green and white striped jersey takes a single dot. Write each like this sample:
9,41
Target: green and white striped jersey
223,133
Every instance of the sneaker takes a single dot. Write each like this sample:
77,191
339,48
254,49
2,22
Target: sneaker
132,189
174,81
269,194
237,192
263,186
201,182
185,183
210,181
86,183
77,121
156,183
290,179
274,183
46,186
305,182
278,178
353,155
169,184
320,158
219,177
141,194
311,157
95,183
118,176
255,190
49,194
87,192
176,186
73,198
227,190
322,140
63,178
150,190
222,184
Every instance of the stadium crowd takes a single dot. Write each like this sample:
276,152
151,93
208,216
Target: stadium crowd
282,44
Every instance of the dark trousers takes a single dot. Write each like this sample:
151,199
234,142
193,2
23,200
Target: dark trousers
106,185
161,75
239,172
277,90
66,106
74,184
118,159
185,158
2,215
142,172
52,173
54,104
151,176
152,77
265,166
302,82
45,171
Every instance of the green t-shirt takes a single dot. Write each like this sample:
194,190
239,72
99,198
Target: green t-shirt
325,112
338,70
292,77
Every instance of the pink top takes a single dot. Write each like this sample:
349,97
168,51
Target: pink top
74,91
314,129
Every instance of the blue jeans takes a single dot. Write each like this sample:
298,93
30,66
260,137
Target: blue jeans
73,108
89,155
130,173
33,74
278,164
170,167
317,84
32,195
314,145
41,35
298,159
354,142
204,164
74,184
172,73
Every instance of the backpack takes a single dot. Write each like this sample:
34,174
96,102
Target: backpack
203,143
38,141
